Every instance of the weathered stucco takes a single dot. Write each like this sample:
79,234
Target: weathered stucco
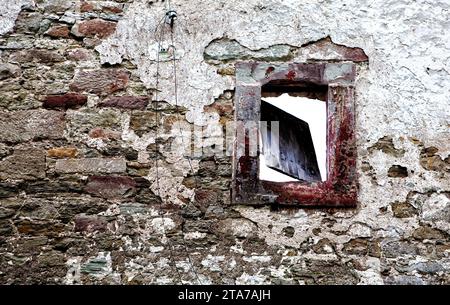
62,221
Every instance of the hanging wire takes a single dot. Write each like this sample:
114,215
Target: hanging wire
177,110
156,110
156,106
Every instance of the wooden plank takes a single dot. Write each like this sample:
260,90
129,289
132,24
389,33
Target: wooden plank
288,146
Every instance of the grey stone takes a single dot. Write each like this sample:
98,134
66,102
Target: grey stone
5,227
20,126
24,164
102,81
94,266
428,267
91,165
227,50
5,150
8,70
324,273
63,207
31,244
238,227
84,120
55,6
133,208
404,280
6,213
398,248
403,209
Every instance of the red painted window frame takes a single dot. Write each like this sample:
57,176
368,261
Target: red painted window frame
341,188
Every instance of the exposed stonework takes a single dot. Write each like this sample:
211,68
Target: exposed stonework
21,126
68,100
23,164
100,81
94,28
58,31
91,165
84,201
126,102
111,186
62,152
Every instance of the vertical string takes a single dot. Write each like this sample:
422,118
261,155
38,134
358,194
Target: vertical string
182,142
156,110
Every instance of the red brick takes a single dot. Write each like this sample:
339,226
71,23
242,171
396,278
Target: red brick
78,55
110,186
36,55
98,132
221,108
90,223
58,31
94,28
205,198
112,9
126,102
68,100
86,7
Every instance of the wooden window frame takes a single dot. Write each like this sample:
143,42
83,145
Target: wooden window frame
340,188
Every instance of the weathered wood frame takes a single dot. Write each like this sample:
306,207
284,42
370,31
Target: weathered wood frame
340,188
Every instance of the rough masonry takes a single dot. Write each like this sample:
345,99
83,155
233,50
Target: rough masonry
84,117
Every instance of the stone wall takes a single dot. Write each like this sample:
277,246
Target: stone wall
83,121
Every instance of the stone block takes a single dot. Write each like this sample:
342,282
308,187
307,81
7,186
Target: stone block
25,125
91,165
27,164
111,186
126,102
102,81
68,100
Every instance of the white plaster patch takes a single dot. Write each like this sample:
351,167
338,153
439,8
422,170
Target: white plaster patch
156,249
359,230
434,206
162,224
436,210
371,276
213,262
274,235
9,10
257,258
247,279
194,235
73,271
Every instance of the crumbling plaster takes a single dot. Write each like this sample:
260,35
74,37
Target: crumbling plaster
8,13
405,44
403,92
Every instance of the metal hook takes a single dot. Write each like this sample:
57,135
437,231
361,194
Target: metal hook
170,17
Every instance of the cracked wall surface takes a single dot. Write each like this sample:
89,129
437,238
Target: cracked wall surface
83,117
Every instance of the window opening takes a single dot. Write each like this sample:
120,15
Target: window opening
293,134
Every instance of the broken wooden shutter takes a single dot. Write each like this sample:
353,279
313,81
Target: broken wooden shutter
287,144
